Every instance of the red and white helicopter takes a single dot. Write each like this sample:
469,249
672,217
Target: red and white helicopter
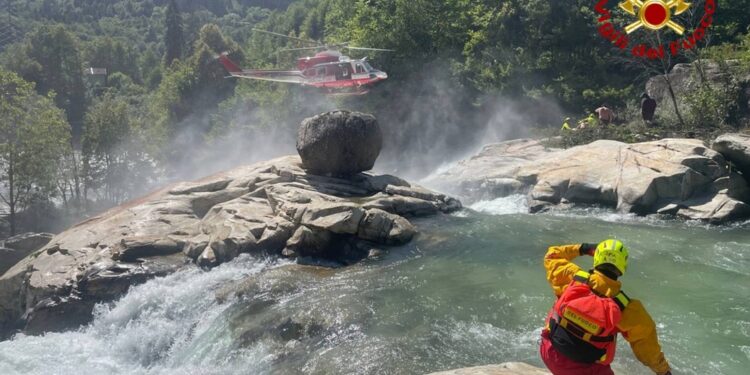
329,69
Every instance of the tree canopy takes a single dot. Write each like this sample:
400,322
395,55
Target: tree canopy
462,72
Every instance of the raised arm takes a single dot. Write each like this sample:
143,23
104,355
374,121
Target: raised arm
559,265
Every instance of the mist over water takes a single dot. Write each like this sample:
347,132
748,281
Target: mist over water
428,120
470,290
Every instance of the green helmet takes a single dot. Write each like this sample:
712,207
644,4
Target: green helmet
612,252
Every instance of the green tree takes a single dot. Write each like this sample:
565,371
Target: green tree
115,164
114,55
174,38
51,59
191,90
34,136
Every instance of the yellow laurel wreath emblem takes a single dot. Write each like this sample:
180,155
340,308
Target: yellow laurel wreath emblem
655,14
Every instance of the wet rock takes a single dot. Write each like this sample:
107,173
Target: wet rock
57,314
382,227
208,258
289,253
339,143
375,253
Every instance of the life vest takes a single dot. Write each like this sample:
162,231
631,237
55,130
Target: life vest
583,325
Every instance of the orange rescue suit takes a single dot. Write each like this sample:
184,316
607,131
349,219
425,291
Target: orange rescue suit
635,323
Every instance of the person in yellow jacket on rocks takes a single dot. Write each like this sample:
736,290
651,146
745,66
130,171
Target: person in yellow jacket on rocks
566,125
580,335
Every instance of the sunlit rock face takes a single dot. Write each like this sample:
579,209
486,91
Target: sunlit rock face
679,177
736,148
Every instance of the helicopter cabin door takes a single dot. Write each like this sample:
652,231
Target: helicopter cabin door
344,72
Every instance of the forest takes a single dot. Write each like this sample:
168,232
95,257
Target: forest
104,101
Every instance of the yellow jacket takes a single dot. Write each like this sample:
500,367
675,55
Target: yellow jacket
636,324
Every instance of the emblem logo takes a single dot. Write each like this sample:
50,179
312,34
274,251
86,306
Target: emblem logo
655,14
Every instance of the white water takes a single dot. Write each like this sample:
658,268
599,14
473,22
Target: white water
166,324
513,204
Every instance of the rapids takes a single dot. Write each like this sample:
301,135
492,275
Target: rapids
470,290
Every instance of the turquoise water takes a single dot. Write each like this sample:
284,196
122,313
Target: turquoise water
469,291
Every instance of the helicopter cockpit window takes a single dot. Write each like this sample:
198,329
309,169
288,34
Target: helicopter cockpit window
368,67
361,69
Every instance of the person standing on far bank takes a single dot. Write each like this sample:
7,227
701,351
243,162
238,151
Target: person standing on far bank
648,108
580,336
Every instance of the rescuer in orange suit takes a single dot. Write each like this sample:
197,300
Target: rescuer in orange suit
581,331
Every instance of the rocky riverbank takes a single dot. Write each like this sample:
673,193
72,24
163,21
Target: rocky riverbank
334,214
273,207
677,177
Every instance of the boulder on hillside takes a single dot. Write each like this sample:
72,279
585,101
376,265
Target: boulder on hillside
509,368
685,78
273,207
735,148
339,143
729,78
679,177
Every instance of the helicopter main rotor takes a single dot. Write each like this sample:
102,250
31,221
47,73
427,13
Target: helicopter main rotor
319,45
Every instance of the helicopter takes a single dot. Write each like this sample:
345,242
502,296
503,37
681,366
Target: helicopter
328,69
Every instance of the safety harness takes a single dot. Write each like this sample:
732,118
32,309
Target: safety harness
580,339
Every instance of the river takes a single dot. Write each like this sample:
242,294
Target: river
470,290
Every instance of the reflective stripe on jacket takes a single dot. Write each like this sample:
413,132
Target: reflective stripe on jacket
635,324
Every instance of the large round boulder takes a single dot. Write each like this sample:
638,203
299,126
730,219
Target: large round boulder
339,143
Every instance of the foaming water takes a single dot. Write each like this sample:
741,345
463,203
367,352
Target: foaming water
470,290
156,328
513,204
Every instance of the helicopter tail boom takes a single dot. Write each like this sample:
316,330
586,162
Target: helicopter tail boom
229,65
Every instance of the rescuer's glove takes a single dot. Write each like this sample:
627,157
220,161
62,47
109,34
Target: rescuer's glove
588,249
